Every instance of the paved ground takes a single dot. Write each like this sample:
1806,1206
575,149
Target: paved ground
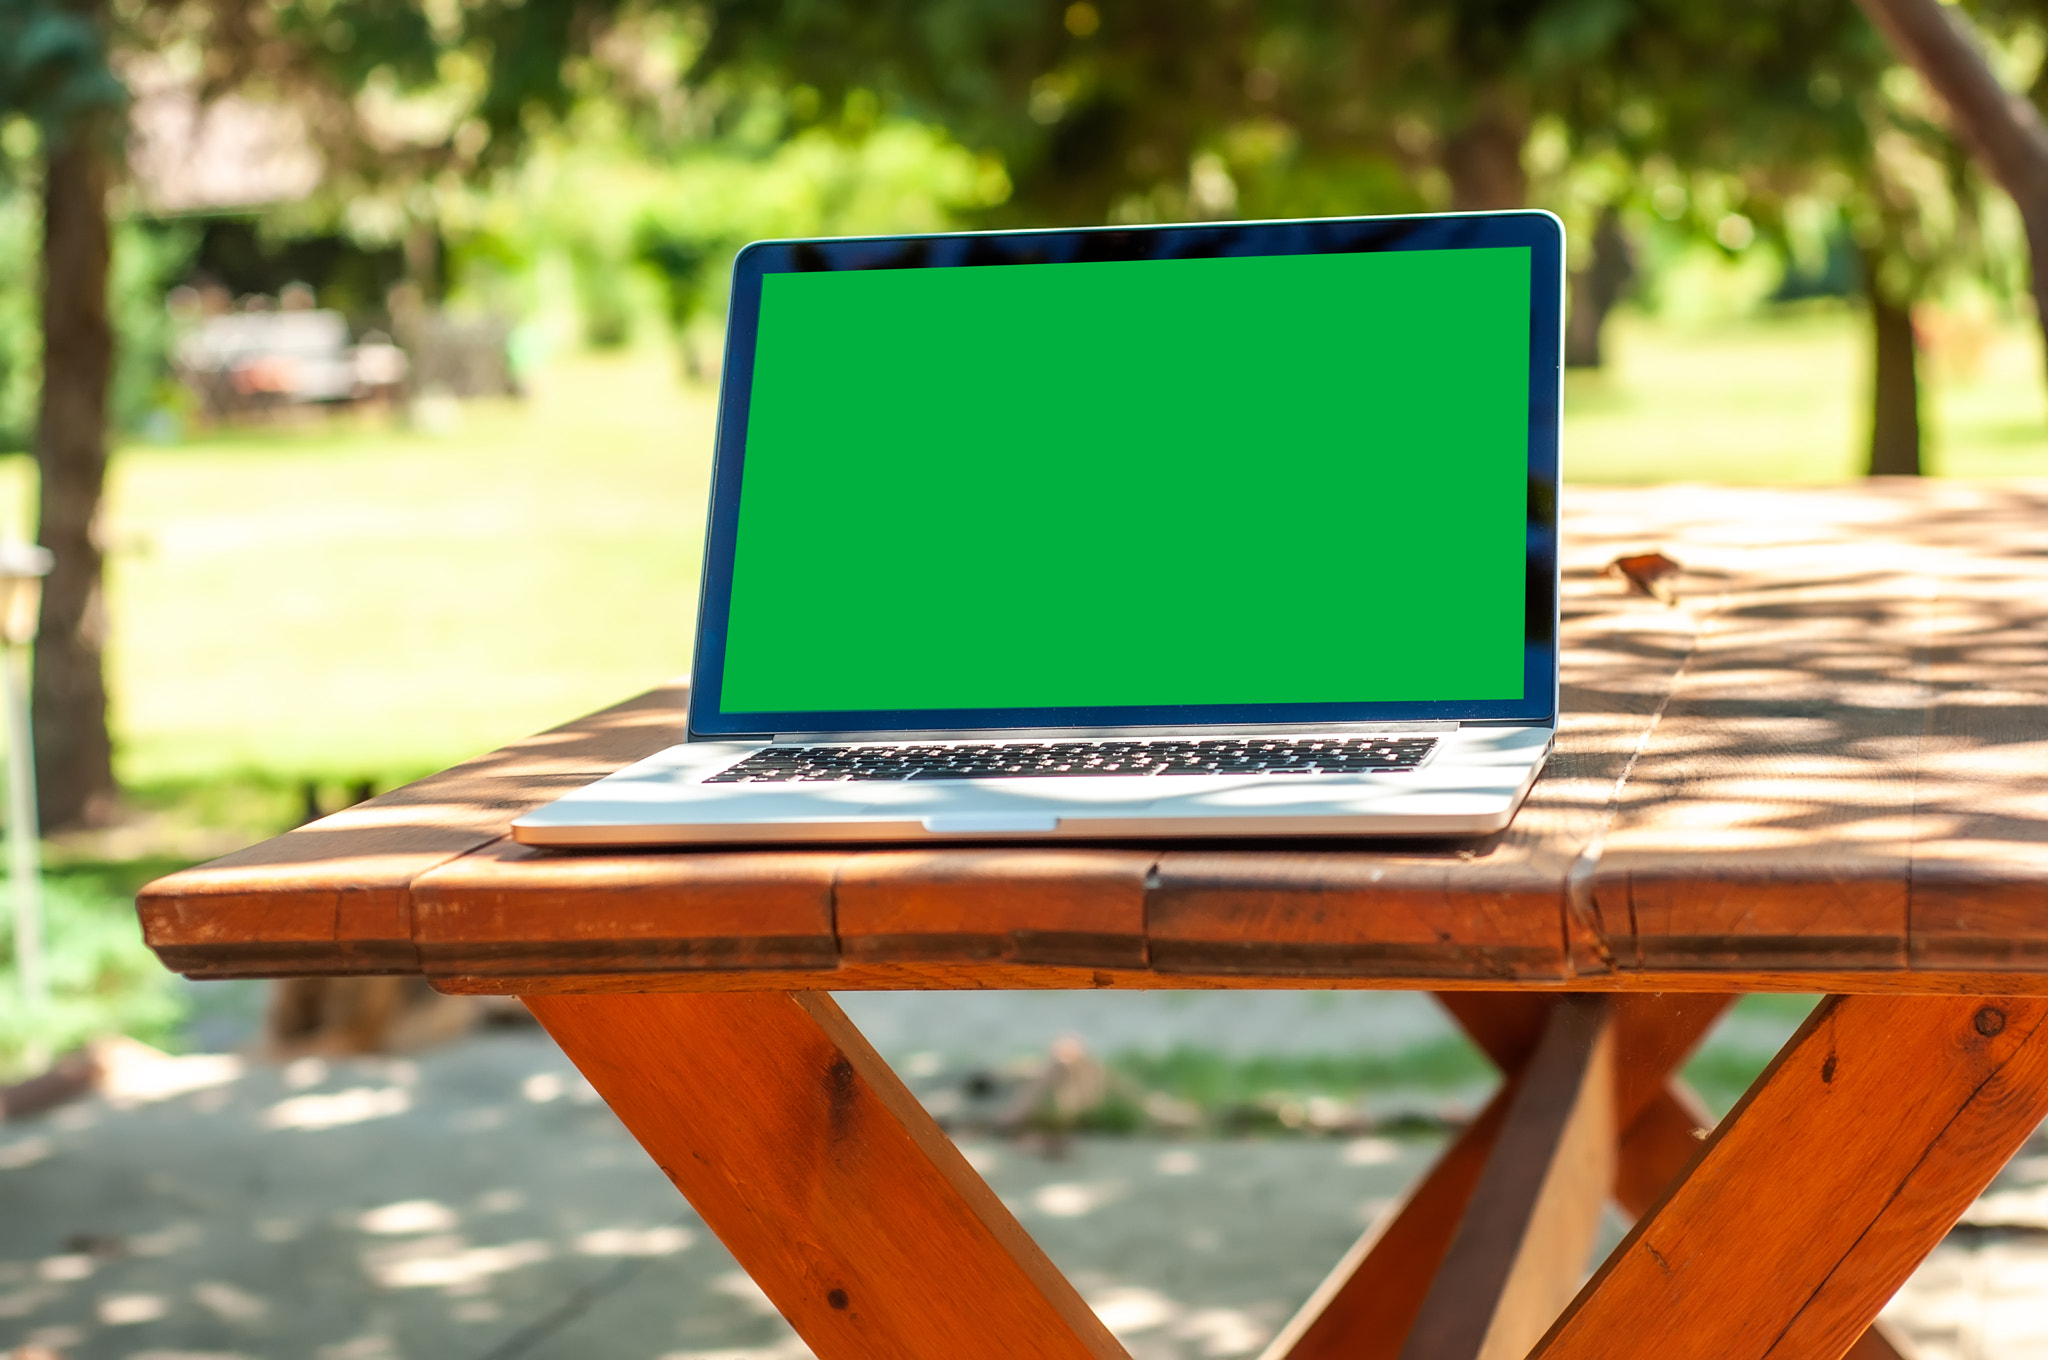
478,1203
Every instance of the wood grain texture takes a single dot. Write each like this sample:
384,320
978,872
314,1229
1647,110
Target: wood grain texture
1505,1026
824,1177
334,896
1980,865
1073,906
1523,1241
911,977
1656,1150
1657,1145
1768,819
1654,1034
1366,1306
1814,1200
1421,914
508,910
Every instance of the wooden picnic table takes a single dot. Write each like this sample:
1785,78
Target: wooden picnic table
1822,766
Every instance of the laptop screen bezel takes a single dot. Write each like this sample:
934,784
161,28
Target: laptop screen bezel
1542,233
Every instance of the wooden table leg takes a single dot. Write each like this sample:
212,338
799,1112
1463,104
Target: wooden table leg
1664,1138
1846,1163
824,1176
1370,1303
1525,1236
1366,1307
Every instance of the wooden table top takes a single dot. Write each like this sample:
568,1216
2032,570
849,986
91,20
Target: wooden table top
1824,766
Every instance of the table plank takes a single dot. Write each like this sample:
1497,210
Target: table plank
1824,768
1494,907
334,896
508,910
1075,906
1849,773
1768,817
1980,864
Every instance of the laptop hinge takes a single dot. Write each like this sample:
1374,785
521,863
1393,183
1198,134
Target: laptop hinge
1091,733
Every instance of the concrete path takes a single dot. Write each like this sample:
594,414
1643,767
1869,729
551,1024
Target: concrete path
479,1203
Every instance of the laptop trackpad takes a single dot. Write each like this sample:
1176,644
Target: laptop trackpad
990,823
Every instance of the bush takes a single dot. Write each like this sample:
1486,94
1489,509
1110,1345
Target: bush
102,978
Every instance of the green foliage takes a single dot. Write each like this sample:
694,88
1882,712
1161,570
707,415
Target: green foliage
663,245
148,259
53,66
348,42
1787,120
21,344
1214,1080
103,979
1157,109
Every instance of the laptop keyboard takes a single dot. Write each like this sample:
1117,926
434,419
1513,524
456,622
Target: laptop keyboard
1069,759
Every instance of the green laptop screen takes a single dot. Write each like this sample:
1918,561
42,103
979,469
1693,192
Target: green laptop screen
1252,480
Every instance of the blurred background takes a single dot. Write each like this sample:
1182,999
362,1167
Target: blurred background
357,363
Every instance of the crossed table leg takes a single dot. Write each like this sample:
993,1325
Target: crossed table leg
1781,1234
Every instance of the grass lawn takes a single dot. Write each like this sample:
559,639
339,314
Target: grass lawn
361,601
1784,399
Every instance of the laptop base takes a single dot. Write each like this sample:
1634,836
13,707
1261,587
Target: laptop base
1470,786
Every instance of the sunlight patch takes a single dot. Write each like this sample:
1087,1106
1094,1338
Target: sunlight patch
448,1263
133,1073
634,1241
1130,1309
357,1105
229,1303
1371,1152
408,1216
125,1310
23,1152
1073,1199
792,1349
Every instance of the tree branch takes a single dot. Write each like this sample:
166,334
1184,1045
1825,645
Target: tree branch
2001,126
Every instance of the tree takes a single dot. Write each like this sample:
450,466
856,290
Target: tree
56,69
2002,127
1149,110
53,69
1754,120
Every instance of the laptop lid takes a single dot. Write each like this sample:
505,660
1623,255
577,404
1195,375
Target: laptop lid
1250,473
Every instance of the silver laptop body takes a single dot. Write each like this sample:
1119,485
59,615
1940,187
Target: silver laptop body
1231,530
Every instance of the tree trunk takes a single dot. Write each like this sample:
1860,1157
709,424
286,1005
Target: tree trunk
1894,390
74,755
1596,289
2001,127
1483,158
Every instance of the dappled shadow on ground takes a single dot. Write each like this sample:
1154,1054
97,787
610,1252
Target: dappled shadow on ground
481,1202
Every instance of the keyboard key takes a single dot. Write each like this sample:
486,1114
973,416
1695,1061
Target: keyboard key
1076,759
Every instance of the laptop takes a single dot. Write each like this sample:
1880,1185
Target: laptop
1224,530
